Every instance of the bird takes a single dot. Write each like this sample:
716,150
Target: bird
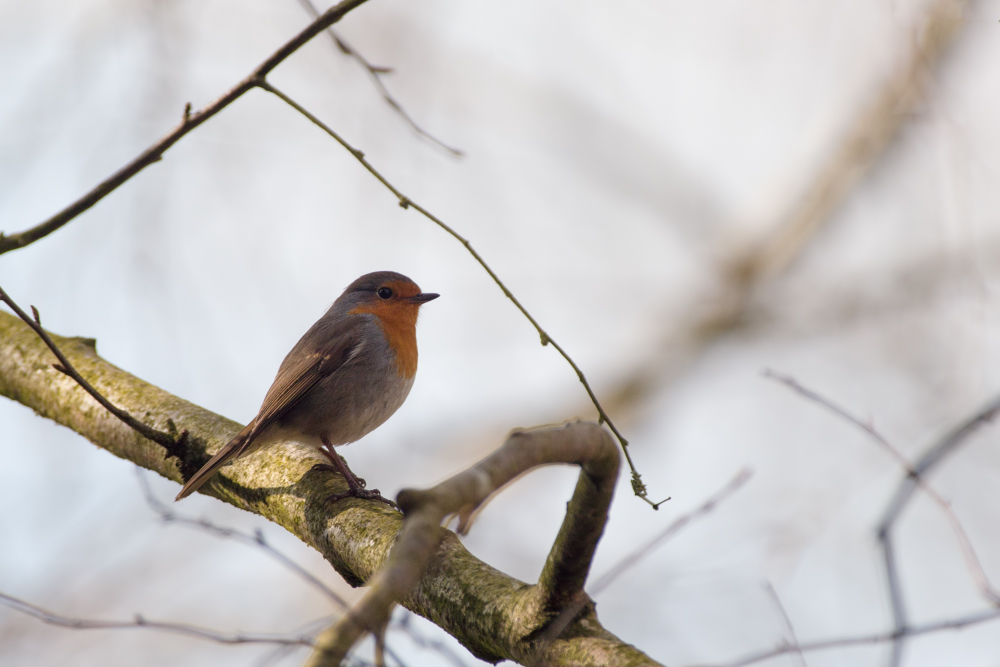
344,378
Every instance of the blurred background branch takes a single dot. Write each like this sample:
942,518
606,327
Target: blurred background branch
751,265
375,73
144,623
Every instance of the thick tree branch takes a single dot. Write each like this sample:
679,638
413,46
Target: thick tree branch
189,122
582,443
487,611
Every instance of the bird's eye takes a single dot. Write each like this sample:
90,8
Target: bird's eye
384,293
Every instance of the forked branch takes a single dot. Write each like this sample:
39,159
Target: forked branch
582,443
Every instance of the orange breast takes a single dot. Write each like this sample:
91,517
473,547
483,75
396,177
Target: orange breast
399,324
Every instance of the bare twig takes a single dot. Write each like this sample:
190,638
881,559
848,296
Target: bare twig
141,622
787,622
862,640
404,624
895,596
376,73
189,122
170,442
257,539
582,443
629,561
971,559
638,487
948,444
308,629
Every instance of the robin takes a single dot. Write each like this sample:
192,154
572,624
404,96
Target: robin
342,380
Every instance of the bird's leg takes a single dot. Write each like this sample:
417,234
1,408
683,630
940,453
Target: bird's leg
357,485
341,466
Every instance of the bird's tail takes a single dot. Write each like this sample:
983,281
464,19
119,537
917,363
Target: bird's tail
233,449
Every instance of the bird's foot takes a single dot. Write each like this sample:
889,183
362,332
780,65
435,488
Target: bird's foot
357,487
368,494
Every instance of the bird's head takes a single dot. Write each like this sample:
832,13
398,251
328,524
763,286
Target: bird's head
395,301
385,293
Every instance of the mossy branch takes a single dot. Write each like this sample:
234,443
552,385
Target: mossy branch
490,613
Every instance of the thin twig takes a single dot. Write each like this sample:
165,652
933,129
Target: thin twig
948,444
257,539
786,621
189,121
629,561
420,640
638,487
971,559
895,595
141,622
169,441
376,72
862,640
308,629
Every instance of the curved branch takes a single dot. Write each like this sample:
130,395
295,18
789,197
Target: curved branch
489,612
568,563
189,122
583,443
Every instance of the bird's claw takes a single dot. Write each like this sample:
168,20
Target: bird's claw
357,488
367,494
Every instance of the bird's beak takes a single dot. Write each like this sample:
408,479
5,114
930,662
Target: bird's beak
423,298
